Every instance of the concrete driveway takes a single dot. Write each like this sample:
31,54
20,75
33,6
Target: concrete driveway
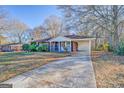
72,72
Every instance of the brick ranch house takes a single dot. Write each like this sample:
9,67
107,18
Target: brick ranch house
69,43
11,47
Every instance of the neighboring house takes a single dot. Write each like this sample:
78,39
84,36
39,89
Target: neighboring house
69,43
11,47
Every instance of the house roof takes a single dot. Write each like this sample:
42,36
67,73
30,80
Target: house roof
76,37
67,37
10,44
42,40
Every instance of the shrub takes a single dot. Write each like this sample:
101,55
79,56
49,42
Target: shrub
33,43
99,48
105,46
102,47
42,48
33,48
110,48
39,49
120,49
26,47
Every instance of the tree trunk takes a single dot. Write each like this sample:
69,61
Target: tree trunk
116,40
20,41
96,45
115,27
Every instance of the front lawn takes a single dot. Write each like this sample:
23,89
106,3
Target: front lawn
12,56
109,69
14,63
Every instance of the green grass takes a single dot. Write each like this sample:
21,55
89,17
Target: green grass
9,57
4,59
6,63
17,54
13,55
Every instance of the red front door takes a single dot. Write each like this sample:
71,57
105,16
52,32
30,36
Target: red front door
74,46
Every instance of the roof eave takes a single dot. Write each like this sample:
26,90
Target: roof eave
83,39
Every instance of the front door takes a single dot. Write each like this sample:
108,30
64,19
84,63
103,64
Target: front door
75,46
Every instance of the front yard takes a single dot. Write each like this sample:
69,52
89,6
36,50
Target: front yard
109,69
12,64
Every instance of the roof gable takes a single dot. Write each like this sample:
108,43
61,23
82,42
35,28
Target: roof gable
60,38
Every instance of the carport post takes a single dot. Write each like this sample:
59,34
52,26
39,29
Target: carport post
89,47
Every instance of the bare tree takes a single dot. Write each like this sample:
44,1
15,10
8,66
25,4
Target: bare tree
53,26
75,18
4,24
18,31
110,18
90,18
38,33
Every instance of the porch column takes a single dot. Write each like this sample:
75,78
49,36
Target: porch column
65,43
50,46
65,47
70,45
89,47
53,46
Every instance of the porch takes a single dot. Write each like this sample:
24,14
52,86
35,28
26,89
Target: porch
63,46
